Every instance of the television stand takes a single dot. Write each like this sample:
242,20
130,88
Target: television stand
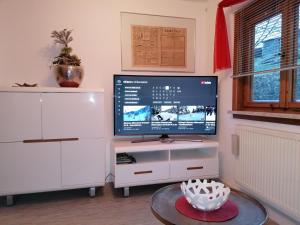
157,162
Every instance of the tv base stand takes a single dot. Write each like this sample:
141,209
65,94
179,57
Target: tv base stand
145,140
163,138
158,162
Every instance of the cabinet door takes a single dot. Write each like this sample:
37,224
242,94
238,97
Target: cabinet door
198,168
72,115
83,163
30,167
141,173
20,116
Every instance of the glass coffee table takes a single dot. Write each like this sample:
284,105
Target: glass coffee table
251,212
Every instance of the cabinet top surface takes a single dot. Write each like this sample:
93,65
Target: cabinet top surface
120,145
50,89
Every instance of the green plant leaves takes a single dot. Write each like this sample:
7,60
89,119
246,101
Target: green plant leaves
64,37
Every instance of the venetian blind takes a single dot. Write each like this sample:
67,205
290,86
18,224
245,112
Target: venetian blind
267,38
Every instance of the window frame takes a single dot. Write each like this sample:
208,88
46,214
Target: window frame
242,99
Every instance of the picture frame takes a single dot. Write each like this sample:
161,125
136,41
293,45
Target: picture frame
157,43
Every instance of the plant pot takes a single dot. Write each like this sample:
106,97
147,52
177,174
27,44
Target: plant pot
68,76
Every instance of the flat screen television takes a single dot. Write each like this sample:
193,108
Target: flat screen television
165,105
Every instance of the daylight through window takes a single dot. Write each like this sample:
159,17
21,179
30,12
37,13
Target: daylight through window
267,57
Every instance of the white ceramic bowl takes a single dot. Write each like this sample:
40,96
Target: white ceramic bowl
206,196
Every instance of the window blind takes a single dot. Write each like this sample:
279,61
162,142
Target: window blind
267,38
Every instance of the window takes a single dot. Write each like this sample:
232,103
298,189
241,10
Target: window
267,57
267,46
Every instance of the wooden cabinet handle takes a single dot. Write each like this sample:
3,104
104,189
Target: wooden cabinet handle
50,140
143,172
195,168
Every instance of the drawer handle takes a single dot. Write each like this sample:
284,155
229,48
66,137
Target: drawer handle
142,172
49,140
195,168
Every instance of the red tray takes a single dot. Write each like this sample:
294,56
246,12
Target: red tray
228,211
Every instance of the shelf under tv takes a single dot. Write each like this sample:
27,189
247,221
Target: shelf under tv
158,162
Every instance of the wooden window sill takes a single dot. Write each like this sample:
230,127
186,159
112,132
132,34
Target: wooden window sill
285,118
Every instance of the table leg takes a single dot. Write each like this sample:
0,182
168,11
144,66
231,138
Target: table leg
126,191
92,191
9,200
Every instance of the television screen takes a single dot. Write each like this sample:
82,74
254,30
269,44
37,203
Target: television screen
150,105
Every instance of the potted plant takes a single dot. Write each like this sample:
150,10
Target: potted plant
66,67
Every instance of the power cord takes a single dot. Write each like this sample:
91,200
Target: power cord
108,175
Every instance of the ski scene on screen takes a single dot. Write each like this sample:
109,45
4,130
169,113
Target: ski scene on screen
165,105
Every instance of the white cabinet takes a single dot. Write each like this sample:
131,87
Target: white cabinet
51,139
72,115
83,162
164,162
20,116
29,167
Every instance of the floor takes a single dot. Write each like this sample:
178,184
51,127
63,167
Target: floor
74,207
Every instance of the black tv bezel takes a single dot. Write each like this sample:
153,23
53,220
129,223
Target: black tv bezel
161,76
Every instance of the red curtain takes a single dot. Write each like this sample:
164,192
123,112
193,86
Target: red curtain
221,48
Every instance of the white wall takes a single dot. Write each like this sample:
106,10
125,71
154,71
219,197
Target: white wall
226,123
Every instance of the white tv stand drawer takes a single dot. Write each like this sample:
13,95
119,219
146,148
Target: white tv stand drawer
158,162
193,168
140,173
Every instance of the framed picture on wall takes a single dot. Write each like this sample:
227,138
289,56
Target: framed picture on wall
157,43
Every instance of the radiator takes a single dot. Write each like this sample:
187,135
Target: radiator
268,166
